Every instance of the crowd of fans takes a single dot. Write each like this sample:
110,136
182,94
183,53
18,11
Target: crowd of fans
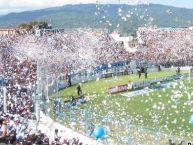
166,44
16,130
19,79
19,82
71,50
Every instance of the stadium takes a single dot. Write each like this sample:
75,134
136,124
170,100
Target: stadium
86,86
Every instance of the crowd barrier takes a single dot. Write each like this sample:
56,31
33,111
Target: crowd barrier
117,131
140,84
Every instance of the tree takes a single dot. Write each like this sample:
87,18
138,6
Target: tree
34,25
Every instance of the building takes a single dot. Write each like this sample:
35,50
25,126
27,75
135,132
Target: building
130,43
11,31
7,31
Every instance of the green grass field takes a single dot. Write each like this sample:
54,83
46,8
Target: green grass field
168,109
101,86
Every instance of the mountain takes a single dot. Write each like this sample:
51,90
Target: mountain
123,18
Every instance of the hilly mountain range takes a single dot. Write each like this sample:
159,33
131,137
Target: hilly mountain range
112,17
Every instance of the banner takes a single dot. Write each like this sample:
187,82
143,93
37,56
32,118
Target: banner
141,84
118,89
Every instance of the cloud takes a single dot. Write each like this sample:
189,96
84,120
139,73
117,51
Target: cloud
7,6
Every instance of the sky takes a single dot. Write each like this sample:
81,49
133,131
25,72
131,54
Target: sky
7,6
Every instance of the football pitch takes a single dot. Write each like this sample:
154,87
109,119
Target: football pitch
167,110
